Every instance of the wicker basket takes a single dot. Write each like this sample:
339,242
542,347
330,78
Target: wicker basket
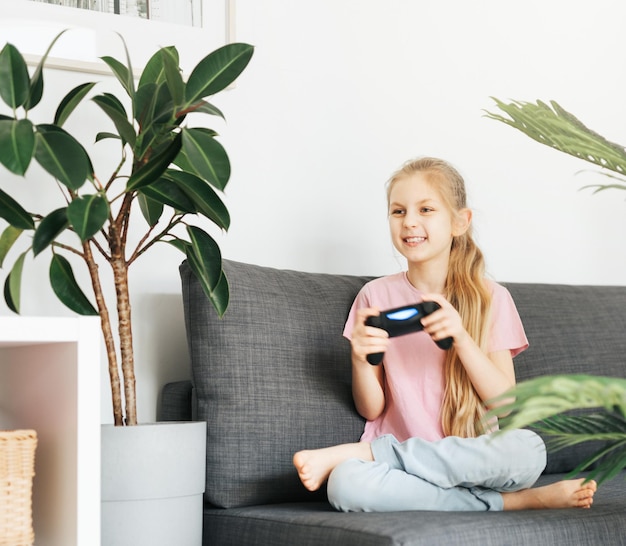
17,468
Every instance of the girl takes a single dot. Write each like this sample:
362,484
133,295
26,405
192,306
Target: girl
423,447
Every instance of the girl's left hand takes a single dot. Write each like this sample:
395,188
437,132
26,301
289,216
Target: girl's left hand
445,322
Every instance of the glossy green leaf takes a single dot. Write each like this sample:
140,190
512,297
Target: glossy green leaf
217,70
173,76
205,260
14,78
207,157
152,170
88,214
122,73
17,145
204,107
154,72
66,288
13,212
62,156
104,135
49,229
206,201
13,284
167,192
113,108
179,244
150,208
7,240
35,91
71,101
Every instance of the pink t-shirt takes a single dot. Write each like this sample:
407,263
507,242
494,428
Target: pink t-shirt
414,382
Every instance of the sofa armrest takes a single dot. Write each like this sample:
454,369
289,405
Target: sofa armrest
176,402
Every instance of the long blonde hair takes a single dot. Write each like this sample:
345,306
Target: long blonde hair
465,289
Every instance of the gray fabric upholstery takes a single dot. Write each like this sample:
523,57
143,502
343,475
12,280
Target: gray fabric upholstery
268,379
273,376
314,524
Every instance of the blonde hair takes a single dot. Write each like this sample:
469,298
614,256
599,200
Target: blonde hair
465,289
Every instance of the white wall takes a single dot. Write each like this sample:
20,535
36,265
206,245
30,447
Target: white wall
340,93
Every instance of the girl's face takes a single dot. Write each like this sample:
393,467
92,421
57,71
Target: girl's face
421,224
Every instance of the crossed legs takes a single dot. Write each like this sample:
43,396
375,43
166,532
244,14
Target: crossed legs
485,473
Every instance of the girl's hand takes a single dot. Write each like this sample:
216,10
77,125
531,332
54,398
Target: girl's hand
367,339
445,322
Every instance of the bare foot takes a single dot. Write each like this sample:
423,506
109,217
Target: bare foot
563,494
315,465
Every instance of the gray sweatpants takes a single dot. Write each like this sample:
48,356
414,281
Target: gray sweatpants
449,474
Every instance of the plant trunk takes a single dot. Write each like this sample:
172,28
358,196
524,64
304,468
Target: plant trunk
120,276
107,332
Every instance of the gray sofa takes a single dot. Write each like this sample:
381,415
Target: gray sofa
273,377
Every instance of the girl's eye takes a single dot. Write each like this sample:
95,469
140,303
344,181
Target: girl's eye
426,210
397,212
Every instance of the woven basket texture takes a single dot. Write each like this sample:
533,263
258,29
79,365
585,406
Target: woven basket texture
17,468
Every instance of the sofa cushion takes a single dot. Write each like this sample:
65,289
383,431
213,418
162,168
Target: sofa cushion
271,377
312,524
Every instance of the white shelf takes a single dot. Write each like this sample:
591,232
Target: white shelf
50,382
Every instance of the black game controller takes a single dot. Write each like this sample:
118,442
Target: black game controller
404,320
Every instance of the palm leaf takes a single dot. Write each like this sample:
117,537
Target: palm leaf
552,125
543,401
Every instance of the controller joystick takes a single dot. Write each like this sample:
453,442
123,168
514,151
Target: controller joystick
404,320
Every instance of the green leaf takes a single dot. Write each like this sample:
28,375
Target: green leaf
62,156
13,285
35,91
13,212
205,260
205,200
152,170
204,107
7,240
88,214
104,135
154,71
167,192
122,73
206,156
66,288
150,208
554,126
14,79
71,101
217,70
113,108
49,229
173,77
17,145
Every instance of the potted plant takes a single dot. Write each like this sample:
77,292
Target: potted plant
547,402
166,170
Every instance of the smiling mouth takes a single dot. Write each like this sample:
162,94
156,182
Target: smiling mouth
414,240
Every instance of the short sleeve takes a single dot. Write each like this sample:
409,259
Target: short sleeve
507,330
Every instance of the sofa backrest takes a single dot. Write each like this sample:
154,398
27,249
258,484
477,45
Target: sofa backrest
273,375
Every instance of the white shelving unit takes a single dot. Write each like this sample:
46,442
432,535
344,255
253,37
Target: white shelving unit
50,382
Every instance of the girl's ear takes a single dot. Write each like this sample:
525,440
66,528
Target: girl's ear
462,222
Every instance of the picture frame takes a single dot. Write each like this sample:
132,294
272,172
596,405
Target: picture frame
31,27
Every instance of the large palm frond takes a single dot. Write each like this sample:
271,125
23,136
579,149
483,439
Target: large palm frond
542,403
552,125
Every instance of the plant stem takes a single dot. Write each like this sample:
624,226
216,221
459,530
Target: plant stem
107,333
117,243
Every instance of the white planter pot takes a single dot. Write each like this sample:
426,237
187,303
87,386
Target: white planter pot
153,479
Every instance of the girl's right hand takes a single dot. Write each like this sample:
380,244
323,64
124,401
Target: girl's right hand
367,339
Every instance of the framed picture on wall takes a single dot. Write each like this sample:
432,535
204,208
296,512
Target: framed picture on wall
94,27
